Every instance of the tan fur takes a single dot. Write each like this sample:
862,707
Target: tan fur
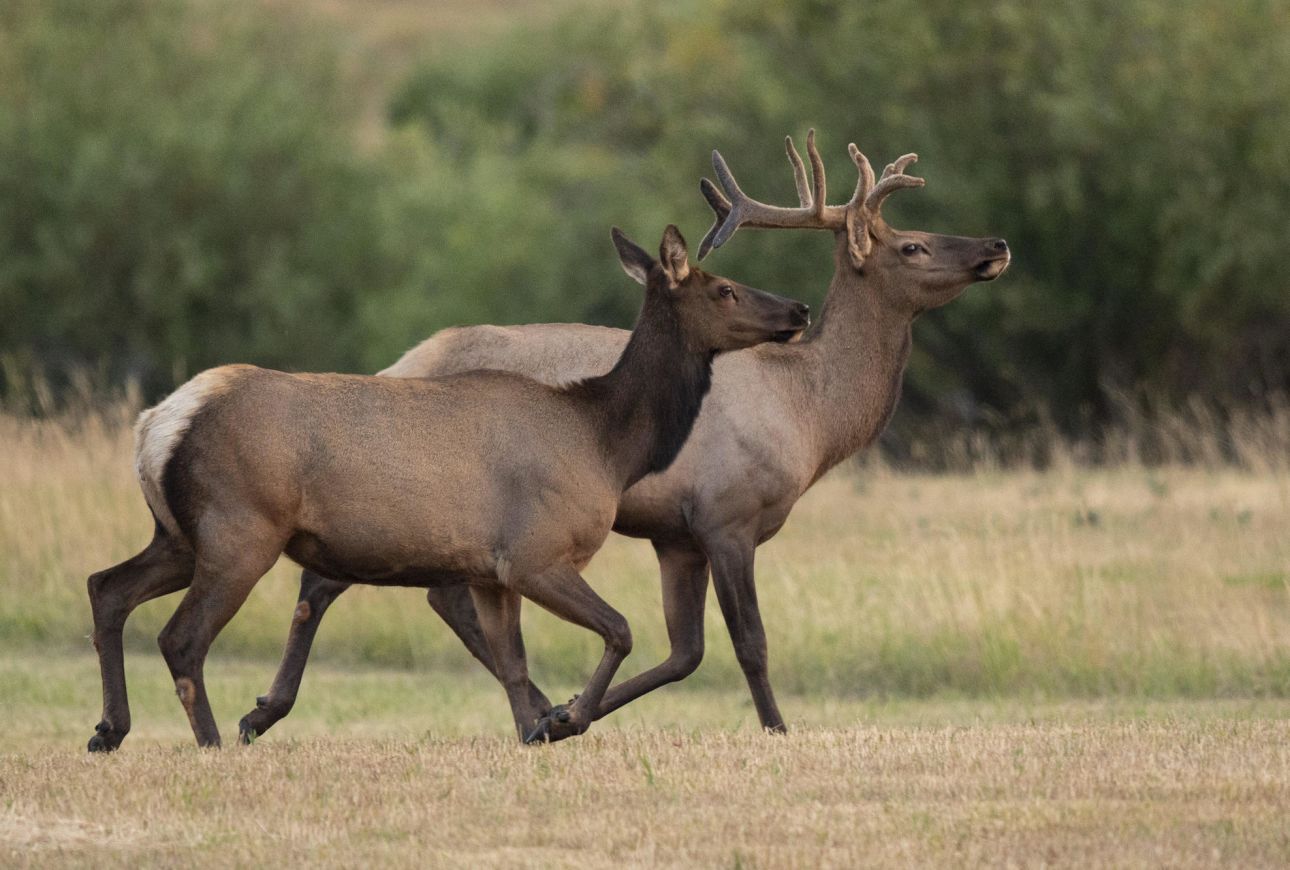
487,478
159,429
186,690
401,480
777,417
553,353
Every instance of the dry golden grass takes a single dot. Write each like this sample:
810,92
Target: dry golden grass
1072,625
1154,792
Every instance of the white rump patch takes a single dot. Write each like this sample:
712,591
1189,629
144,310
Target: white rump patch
158,430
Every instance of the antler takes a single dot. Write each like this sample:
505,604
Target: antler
893,179
734,208
741,210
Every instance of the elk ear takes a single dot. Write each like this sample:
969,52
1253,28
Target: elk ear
635,261
673,255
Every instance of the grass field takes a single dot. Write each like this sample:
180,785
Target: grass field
1078,667
385,767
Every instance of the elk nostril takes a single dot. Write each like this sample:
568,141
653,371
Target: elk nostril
1000,245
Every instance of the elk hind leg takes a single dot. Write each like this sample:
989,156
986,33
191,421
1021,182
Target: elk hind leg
456,606
499,619
164,566
220,585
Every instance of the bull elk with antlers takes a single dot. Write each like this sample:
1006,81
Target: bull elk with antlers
487,478
779,416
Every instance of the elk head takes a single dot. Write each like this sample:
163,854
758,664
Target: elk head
712,312
913,270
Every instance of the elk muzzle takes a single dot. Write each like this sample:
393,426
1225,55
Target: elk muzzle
799,317
995,262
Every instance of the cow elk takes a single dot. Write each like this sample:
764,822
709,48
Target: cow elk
488,478
779,416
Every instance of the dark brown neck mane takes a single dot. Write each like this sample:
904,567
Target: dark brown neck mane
648,402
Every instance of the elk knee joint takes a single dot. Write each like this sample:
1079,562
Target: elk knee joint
186,689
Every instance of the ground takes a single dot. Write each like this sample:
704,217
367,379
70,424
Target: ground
410,770
1068,667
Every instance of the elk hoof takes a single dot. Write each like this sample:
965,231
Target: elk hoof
555,726
246,732
104,740
266,714
540,733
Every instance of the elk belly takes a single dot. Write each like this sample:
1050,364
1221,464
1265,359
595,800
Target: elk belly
353,561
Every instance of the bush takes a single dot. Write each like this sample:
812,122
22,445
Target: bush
1129,151
178,188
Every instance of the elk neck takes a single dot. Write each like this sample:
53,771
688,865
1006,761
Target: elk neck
646,405
857,355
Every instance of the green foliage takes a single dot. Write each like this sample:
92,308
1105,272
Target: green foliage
177,189
181,185
1129,150
616,132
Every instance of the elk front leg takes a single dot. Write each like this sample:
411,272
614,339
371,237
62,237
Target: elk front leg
684,574
732,575
164,566
456,606
562,591
316,595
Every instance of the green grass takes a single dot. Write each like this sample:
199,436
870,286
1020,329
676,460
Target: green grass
881,585
57,698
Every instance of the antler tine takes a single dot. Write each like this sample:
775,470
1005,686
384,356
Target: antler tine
726,177
715,198
899,165
799,172
817,173
737,200
858,242
893,179
864,183
720,205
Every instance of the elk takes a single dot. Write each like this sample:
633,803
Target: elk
779,416
488,478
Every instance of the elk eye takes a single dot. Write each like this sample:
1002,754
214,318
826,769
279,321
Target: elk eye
911,249
726,290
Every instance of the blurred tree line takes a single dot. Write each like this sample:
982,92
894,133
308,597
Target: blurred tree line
181,184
